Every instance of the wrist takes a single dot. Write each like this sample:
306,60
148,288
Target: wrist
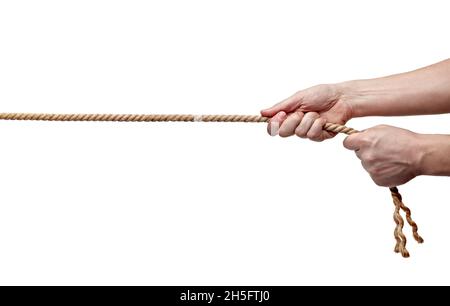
433,154
357,96
375,97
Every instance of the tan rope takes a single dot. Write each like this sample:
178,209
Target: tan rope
131,117
400,238
400,247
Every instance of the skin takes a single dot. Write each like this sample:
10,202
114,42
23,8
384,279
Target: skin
392,156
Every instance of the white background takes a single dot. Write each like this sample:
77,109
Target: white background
205,204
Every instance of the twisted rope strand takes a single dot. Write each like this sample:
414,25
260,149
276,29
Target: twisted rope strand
400,238
414,227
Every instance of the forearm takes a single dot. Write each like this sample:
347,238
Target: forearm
434,151
419,92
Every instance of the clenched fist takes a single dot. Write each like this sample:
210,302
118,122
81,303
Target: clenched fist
391,155
306,112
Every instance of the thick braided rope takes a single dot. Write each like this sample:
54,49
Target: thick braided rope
131,117
400,238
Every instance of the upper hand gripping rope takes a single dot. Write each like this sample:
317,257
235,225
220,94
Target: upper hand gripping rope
400,238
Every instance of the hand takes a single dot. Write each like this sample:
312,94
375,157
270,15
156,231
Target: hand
391,155
306,112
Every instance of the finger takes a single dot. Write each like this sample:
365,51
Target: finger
352,142
290,124
316,132
288,105
306,124
365,165
275,122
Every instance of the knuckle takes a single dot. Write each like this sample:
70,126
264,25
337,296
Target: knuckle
365,138
366,166
312,134
299,114
381,126
368,157
375,171
313,115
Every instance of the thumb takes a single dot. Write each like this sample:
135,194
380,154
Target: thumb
288,105
353,142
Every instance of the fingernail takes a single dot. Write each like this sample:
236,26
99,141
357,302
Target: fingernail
274,127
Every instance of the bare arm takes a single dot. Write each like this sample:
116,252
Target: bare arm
435,150
419,92
391,156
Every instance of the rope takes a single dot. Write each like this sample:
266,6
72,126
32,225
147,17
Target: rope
399,236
